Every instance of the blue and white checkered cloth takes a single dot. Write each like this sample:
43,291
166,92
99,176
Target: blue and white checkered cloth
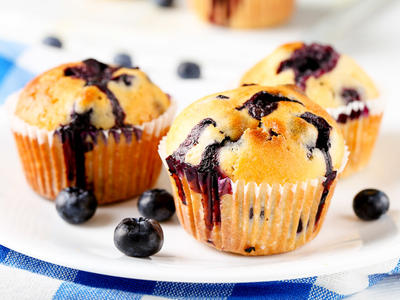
23,277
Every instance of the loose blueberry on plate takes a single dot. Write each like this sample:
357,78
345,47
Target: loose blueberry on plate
156,204
370,204
52,41
139,237
76,205
123,59
164,3
189,70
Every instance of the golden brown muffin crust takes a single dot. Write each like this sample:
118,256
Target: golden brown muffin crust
264,134
49,100
325,88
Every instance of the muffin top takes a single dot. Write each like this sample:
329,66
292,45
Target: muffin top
111,96
256,133
327,77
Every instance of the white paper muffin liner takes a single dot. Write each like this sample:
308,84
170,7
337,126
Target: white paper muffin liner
361,133
256,219
117,168
376,107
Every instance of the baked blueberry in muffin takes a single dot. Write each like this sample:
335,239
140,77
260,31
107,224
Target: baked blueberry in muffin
253,168
93,126
335,82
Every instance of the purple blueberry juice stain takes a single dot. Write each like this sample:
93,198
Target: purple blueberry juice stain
192,139
205,178
210,178
75,136
262,104
300,226
177,167
312,60
323,144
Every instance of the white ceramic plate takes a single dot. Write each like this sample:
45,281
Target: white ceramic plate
30,225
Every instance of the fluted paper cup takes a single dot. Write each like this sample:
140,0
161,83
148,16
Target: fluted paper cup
360,123
255,219
116,168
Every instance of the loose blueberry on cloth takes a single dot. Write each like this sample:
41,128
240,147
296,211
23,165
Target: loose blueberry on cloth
57,282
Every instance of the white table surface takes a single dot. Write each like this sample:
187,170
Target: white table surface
99,28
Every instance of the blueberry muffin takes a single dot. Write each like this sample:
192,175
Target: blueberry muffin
335,82
244,13
93,126
253,169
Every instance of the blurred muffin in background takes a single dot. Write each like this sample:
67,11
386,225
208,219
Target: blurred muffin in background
93,126
244,13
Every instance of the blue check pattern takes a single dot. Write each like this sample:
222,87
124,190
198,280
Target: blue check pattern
76,284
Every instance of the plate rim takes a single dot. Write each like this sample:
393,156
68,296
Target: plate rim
151,276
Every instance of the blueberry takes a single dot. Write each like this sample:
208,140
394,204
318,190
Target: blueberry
76,205
312,60
370,204
52,41
123,59
189,70
156,204
138,237
164,3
